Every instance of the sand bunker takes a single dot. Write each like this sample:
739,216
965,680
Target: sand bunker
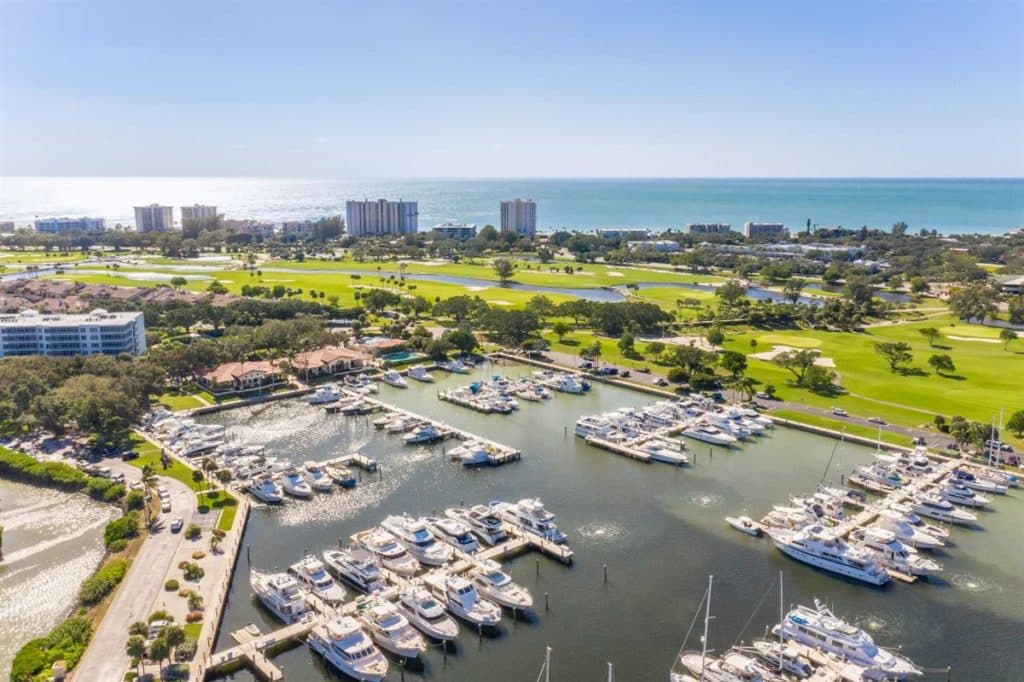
769,355
972,338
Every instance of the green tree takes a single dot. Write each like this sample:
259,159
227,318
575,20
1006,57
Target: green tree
627,344
792,289
715,336
895,353
797,362
1016,309
858,289
941,362
918,285
560,329
732,292
930,333
136,649
216,287
1016,423
178,282
504,268
973,302
1006,336
461,340
819,379
174,635
732,362
159,651
139,627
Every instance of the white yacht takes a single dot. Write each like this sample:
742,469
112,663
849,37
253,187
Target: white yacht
733,666
414,535
420,373
531,516
427,614
723,422
356,566
400,424
345,646
893,554
940,533
341,475
957,493
980,483
424,433
264,489
665,451
820,547
391,630
567,383
294,484
709,434
939,508
455,533
393,378
385,547
482,520
820,629
914,464
280,593
783,658
471,453
311,572
592,426
462,599
325,394
906,532
455,367
317,478
882,474
494,584
789,518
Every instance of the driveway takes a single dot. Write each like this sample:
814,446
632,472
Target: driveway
105,659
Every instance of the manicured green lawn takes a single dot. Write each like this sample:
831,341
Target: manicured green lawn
37,257
841,426
228,507
149,454
179,401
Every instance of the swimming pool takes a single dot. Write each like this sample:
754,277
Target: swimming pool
402,357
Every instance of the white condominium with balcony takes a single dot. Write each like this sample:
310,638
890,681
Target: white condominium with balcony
519,216
197,212
154,218
34,333
382,217
65,225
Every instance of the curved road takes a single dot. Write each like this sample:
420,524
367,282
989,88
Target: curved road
105,659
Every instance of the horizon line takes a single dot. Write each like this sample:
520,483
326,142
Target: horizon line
518,177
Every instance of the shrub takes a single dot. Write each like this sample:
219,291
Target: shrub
171,585
677,375
160,614
219,533
193,532
194,572
199,554
65,642
136,499
194,617
117,546
186,650
121,529
102,583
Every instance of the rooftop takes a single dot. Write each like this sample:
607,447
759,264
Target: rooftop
98,316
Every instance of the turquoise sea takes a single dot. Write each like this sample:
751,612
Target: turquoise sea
946,205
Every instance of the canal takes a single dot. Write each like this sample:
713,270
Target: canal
659,530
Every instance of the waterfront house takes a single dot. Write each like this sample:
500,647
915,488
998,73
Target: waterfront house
239,377
329,360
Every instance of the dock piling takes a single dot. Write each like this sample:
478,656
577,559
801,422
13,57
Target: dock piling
547,606
605,574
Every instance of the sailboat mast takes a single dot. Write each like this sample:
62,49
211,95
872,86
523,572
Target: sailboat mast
781,616
707,617
547,664
611,673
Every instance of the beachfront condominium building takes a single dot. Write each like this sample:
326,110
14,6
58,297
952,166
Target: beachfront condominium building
708,228
460,232
154,218
66,225
519,216
34,333
298,228
622,234
764,231
382,217
655,246
197,212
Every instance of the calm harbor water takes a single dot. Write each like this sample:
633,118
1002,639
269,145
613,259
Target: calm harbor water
660,531
946,205
52,542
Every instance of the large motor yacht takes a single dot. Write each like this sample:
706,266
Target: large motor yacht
420,373
980,483
325,394
416,537
494,584
454,532
709,434
294,484
391,630
311,572
939,508
532,517
385,547
906,532
892,553
342,642
820,547
462,599
356,566
317,477
393,378
424,433
482,520
264,489
281,593
427,614
819,628
958,493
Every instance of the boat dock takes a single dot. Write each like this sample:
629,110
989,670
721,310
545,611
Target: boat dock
355,459
618,448
252,647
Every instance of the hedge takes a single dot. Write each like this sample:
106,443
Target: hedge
21,467
65,642
102,582
121,528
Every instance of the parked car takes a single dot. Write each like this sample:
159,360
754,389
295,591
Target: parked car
840,412
876,420
177,524
165,506
136,485
918,440
660,382
763,396
586,364
624,374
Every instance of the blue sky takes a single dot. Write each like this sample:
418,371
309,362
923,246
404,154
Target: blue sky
512,89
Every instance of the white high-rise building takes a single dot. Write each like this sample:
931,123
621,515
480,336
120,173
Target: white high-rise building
154,218
198,212
65,225
33,333
371,218
519,216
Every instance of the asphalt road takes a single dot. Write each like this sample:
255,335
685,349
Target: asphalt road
105,660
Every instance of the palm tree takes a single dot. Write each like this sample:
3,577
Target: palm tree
136,648
208,466
214,543
158,651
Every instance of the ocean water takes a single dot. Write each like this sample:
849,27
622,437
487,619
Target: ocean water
946,205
